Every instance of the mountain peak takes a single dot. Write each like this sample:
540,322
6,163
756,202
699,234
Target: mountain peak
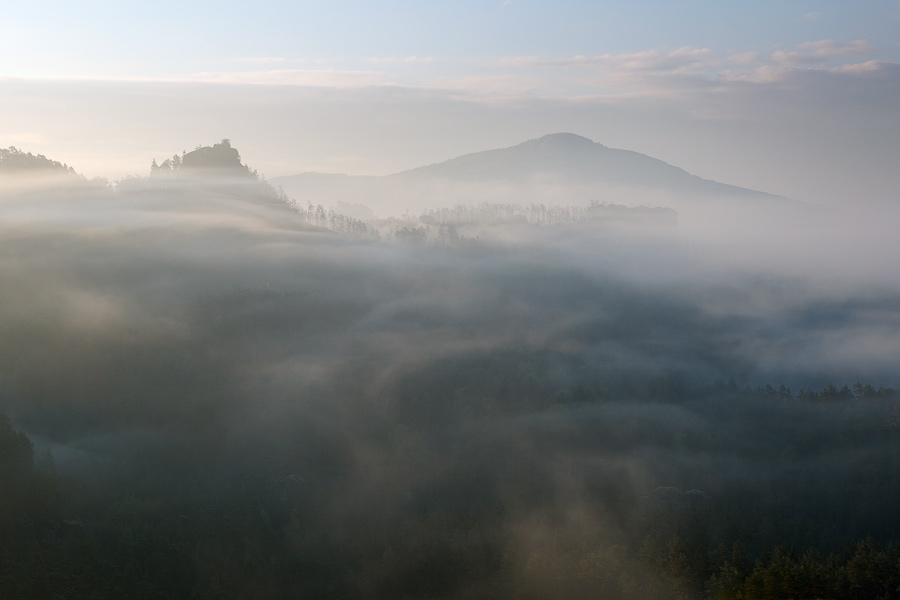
561,141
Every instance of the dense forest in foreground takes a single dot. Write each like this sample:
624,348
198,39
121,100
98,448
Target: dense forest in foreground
203,395
436,509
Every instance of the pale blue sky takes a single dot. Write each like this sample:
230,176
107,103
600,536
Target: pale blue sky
794,97
165,38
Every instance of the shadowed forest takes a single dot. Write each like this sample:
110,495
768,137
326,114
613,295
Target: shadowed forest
210,389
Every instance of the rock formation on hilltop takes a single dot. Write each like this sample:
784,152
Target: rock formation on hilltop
218,160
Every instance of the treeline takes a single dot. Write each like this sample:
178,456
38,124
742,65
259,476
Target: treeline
860,570
329,219
829,392
488,213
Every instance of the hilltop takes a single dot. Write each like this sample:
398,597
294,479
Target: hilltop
220,160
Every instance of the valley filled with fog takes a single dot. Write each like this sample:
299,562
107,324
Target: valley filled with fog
551,370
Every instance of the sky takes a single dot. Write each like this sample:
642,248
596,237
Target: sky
795,98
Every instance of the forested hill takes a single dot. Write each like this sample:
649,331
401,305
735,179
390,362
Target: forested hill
15,161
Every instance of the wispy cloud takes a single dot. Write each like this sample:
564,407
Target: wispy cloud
820,51
870,66
689,59
743,58
812,16
648,60
774,73
261,59
658,71
650,71
400,59
489,88
279,60
302,77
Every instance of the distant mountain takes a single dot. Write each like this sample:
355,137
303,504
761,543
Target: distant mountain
571,158
556,168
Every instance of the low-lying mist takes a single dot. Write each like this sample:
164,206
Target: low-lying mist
241,404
